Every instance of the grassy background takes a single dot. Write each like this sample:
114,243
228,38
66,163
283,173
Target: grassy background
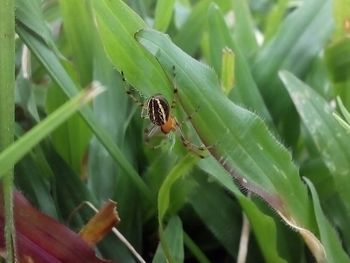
265,105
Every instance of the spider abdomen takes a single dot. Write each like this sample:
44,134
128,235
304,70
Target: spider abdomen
158,110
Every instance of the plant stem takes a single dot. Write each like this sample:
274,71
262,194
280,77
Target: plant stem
7,82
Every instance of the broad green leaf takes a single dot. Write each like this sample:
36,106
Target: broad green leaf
263,226
29,15
164,11
177,172
113,109
244,31
70,139
237,138
298,40
219,213
77,26
331,140
245,90
117,24
275,18
51,63
24,144
34,184
334,251
190,34
338,60
173,235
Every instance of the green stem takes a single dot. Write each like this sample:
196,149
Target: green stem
7,82
195,250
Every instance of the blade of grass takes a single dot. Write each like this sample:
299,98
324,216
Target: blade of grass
24,144
330,138
244,31
263,226
189,35
50,61
177,172
238,139
245,90
77,25
164,11
117,24
7,87
296,43
173,233
332,244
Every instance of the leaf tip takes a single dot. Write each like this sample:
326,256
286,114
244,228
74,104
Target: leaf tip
94,89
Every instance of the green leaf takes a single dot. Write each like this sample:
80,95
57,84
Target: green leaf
77,25
164,11
263,226
237,138
24,144
331,140
217,211
164,192
338,60
244,29
329,137
190,34
117,24
275,18
334,251
293,47
245,90
29,15
72,138
177,172
51,63
173,234
227,67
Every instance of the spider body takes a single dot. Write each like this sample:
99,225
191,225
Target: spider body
158,110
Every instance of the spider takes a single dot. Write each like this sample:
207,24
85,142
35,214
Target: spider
158,110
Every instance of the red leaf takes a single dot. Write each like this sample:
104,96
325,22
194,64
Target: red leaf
40,238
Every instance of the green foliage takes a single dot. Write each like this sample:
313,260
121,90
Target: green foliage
268,128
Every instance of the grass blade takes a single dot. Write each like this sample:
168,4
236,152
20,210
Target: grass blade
24,144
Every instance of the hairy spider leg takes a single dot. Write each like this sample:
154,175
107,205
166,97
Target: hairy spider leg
134,94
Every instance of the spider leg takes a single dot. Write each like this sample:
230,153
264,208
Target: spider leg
151,132
134,94
198,150
175,89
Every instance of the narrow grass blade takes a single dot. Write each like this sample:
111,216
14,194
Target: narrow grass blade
294,46
77,25
50,61
263,226
332,245
177,172
173,235
245,90
244,29
228,69
24,144
331,140
164,11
